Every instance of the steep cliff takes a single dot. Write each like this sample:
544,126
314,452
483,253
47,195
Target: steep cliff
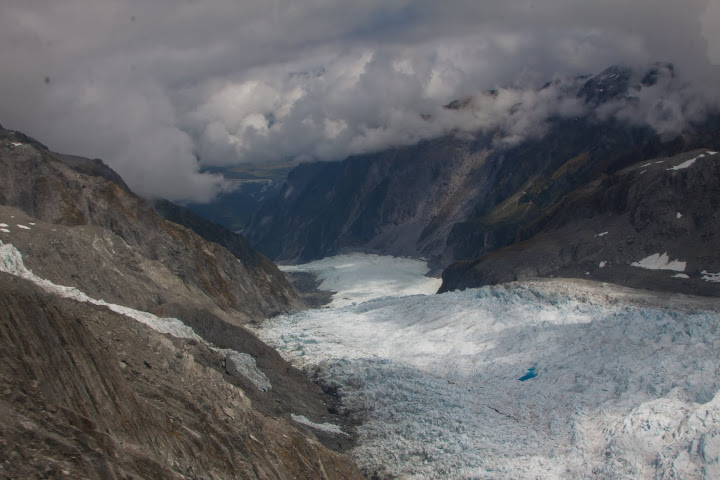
134,256
652,225
88,393
464,195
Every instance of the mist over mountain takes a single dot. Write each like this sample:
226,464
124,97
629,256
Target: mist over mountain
510,210
465,195
161,91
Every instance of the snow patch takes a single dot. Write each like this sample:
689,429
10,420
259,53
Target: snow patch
660,261
243,364
11,262
710,277
4,225
681,275
16,144
711,153
601,234
646,165
686,164
679,215
23,227
602,264
4,230
643,172
324,427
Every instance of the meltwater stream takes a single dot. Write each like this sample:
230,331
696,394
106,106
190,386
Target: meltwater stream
616,391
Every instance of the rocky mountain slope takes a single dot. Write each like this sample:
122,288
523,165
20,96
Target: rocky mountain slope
462,196
88,391
653,225
136,257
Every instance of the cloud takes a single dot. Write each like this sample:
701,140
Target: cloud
160,89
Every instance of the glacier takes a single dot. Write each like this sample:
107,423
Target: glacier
625,383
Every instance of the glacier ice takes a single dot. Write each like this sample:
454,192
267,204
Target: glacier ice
623,389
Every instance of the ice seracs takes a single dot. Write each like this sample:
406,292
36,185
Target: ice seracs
619,390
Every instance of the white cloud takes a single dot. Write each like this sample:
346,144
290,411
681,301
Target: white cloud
148,86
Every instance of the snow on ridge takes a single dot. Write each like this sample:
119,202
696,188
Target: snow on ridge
660,261
11,262
686,164
324,427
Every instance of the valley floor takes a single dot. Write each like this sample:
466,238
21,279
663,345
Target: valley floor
543,379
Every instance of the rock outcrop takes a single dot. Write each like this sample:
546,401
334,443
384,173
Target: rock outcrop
88,393
652,225
111,244
462,196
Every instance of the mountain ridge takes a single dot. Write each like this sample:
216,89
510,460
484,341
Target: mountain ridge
91,393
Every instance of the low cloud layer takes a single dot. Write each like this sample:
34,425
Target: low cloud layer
160,89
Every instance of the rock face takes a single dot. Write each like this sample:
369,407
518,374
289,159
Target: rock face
400,202
459,197
113,245
88,393
651,225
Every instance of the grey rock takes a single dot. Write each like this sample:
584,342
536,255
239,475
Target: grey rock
244,365
602,228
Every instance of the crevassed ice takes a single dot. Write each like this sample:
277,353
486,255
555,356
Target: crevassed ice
358,277
620,391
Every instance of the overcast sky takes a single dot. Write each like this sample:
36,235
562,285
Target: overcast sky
158,88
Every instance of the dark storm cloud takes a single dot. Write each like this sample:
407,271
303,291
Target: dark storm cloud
152,86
